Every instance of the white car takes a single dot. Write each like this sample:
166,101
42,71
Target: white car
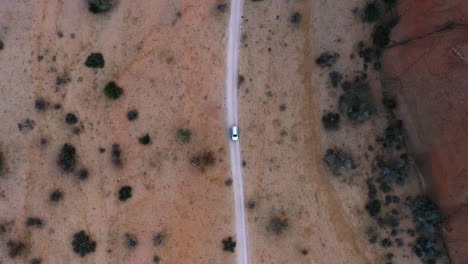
234,133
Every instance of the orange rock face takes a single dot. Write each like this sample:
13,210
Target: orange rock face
428,71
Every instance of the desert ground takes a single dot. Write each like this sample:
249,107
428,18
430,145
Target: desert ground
155,187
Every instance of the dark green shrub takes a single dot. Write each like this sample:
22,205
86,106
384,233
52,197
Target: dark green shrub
113,91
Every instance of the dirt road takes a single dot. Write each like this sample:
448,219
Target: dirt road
232,63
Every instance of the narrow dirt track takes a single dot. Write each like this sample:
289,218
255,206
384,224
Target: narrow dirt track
231,120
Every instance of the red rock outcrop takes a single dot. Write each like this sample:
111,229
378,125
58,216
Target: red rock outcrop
427,69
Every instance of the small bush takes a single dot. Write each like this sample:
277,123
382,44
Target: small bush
100,6
132,115
113,91
83,244
184,135
278,225
331,121
125,193
71,119
339,161
67,158
356,102
372,12
229,244
145,139
327,59
335,78
95,60
395,170
296,18
427,249
426,214
373,208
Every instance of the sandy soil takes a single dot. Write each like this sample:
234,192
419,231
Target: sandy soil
169,58
282,101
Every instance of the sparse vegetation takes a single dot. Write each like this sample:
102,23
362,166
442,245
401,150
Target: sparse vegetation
132,115
56,196
393,135
381,34
373,208
335,78
130,241
100,6
327,59
427,249
145,139
71,119
27,125
204,160
229,244
83,174
116,155
40,105
184,135
35,222
95,60
296,18
15,248
356,102
67,158
278,225
426,214
395,170
83,244
372,12
386,243
331,121
125,193
222,7
159,238
113,91
339,161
